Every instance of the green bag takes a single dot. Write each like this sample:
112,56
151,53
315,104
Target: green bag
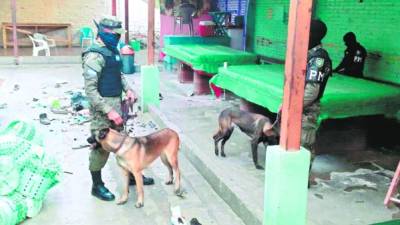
20,149
23,130
9,175
33,206
38,176
12,210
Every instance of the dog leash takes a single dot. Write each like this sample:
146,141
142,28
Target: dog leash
126,106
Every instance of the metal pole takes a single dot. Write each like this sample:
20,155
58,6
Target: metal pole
127,21
114,7
150,32
14,24
295,67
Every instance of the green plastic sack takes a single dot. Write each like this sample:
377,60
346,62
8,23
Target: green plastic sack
7,214
38,176
12,210
9,175
33,206
23,130
20,149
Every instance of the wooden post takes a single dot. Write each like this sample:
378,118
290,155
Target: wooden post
126,21
114,7
14,24
295,68
150,32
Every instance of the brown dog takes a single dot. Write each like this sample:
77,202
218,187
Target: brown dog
135,154
256,126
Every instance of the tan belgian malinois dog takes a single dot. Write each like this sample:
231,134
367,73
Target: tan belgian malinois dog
134,154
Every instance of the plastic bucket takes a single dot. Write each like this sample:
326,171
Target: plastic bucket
206,28
128,60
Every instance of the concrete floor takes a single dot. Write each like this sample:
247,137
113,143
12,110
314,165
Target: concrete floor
350,186
351,196
70,201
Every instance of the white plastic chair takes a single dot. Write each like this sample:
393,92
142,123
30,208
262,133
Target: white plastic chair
39,45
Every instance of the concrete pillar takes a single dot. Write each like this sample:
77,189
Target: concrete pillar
150,80
287,165
286,180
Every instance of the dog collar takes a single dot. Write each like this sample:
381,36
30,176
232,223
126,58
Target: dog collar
120,145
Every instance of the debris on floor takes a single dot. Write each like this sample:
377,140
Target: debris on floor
16,87
3,105
177,218
79,101
194,221
44,119
27,172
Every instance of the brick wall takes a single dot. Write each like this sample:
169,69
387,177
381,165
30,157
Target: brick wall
77,12
375,22
268,27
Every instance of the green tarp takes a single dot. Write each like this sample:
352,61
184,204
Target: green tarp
209,58
344,96
392,222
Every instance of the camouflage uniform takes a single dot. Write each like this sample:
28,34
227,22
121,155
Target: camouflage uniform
319,69
93,64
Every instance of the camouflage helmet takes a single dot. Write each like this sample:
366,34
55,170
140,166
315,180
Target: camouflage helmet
110,23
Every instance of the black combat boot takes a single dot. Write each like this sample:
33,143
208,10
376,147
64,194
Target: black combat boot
98,188
146,180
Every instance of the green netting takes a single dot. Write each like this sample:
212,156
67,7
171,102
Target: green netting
344,96
209,58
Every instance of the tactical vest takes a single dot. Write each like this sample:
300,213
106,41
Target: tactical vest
319,68
110,81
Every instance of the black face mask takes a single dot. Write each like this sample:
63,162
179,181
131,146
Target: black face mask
314,41
318,31
111,40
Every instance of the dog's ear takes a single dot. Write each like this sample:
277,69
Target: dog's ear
269,131
103,133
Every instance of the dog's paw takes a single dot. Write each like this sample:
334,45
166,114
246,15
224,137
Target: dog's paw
169,182
180,193
122,201
223,154
139,205
259,167
216,153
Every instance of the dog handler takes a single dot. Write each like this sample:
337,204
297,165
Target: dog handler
104,86
319,69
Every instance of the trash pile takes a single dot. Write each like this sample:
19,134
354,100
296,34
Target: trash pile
27,172
75,107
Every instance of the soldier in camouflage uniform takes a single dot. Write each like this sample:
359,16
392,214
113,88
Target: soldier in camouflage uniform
104,86
319,69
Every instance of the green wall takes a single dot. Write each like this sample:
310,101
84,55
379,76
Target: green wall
375,22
